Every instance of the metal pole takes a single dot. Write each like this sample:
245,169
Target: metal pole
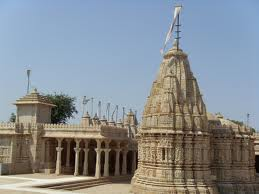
247,121
99,109
123,113
92,107
178,30
108,111
28,78
117,110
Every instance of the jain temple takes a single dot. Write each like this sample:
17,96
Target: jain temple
178,148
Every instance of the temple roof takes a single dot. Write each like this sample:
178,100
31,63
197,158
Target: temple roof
34,98
175,96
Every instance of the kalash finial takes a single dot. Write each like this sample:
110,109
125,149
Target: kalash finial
176,22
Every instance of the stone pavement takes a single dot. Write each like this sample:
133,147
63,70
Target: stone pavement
23,184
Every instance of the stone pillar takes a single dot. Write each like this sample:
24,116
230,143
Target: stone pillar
68,153
133,168
98,160
117,163
124,162
106,163
77,151
58,161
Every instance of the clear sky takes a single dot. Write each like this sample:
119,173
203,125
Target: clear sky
109,50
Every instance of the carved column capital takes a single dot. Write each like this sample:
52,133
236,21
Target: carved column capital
59,140
59,149
77,142
86,150
77,150
118,150
98,150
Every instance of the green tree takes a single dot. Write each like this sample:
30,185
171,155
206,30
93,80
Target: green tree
65,107
12,118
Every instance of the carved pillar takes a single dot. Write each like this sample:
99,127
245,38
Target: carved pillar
68,153
124,162
133,168
86,150
77,151
58,161
117,163
106,163
98,160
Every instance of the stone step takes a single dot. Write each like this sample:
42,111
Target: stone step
67,186
68,182
86,183
86,186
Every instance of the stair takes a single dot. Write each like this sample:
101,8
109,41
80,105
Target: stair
83,184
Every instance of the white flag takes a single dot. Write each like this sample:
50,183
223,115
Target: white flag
170,32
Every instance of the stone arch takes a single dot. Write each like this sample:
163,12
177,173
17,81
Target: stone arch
102,144
113,144
92,156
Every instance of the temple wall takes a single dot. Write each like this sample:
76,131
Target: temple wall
5,149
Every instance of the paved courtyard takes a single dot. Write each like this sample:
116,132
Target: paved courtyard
24,184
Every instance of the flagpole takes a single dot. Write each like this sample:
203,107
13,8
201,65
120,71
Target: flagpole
178,29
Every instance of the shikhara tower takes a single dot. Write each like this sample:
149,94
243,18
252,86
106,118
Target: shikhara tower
181,148
174,141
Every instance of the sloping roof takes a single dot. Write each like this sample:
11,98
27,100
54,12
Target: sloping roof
34,98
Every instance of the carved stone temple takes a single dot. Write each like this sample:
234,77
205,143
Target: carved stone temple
95,147
184,150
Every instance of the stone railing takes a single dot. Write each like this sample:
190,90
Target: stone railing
69,126
81,126
7,125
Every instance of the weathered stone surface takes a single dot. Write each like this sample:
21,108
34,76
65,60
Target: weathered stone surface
179,150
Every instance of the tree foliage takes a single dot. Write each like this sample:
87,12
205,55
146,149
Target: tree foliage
12,118
65,107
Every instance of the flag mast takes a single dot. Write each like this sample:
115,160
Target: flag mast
175,22
178,28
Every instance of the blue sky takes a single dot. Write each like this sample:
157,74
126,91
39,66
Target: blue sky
109,50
